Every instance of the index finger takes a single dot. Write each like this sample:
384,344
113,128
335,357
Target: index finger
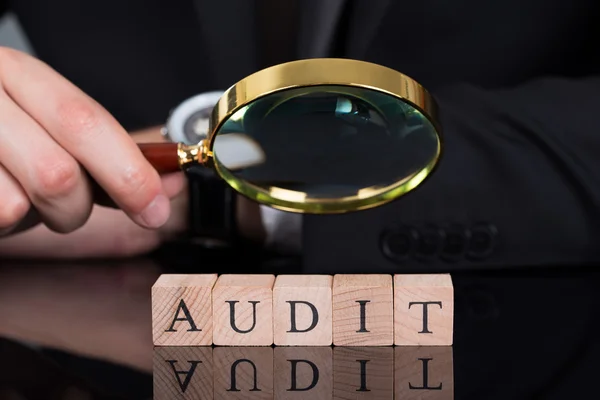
89,133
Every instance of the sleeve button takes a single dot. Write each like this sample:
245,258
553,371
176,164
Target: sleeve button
399,243
483,241
430,242
455,245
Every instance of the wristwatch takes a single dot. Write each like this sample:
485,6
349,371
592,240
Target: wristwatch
212,202
188,122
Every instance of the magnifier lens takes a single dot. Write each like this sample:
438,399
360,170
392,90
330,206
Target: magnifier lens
325,148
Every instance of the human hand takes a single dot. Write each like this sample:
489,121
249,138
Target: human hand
107,233
55,144
110,233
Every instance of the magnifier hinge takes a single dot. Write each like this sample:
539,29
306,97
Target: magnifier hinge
192,154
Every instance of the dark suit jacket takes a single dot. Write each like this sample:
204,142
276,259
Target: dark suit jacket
516,80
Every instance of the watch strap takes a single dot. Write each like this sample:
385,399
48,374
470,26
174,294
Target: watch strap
212,207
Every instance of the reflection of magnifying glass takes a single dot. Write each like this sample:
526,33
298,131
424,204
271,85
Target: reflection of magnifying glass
317,136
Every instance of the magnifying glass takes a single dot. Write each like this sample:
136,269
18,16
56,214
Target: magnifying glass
318,136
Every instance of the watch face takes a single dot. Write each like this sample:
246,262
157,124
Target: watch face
188,122
195,127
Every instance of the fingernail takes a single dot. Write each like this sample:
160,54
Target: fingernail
157,212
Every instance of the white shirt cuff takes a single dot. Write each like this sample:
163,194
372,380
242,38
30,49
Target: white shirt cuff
283,229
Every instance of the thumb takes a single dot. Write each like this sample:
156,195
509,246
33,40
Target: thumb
173,184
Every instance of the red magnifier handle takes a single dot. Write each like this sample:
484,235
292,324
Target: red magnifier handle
162,156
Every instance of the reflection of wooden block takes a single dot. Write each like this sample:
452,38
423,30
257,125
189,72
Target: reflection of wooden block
303,372
302,310
243,310
363,310
424,373
243,373
180,310
423,310
183,373
363,373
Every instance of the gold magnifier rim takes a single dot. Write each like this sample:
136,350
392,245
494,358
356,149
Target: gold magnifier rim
322,72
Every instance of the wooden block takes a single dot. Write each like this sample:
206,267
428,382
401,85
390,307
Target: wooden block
303,372
423,310
363,310
243,373
363,373
302,310
183,373
243,310
424,373
181,307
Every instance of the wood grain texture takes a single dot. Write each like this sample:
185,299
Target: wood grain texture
363,373
423,310
181,310
182,373
162,156
424,373
244,373
303,372
243,310
363,310
307,298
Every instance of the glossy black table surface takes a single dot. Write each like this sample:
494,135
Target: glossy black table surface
82,330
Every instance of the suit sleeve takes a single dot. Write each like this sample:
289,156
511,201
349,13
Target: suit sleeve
3,7
518,185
